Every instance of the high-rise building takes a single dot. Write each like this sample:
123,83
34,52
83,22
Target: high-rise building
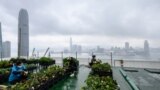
23,34
126,46
71,46
100,50
6,49
1,50
74,47
146,48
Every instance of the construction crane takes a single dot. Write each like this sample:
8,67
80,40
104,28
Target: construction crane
46,52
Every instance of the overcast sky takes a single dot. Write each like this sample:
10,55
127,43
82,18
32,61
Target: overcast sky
89,22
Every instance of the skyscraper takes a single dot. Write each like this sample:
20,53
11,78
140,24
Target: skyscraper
23,34
6,49
71,46
1,50
126,46
146,48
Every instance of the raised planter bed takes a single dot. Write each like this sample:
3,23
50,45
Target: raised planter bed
100,78
71,64
130,69
51,75
95,82
157,71
101,69
52,81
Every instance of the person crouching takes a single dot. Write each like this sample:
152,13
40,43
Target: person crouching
17,73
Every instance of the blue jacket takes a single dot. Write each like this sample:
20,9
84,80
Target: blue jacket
15,73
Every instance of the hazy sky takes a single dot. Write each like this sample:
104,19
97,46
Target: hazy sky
89,22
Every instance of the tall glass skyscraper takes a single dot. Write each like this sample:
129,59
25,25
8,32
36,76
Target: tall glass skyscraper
23,34
71,44
1,50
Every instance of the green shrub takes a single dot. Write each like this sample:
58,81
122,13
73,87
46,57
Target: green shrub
100,83
14,60
39,78
31,66
70,63
33,61
4,64
4,74
45,61
105,67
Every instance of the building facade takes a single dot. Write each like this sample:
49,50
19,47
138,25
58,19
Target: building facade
126,45
146,48
71,45
23,33
6,49
1,50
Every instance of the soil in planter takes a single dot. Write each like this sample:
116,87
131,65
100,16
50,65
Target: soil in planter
73,83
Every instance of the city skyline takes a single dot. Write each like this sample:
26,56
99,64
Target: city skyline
53,23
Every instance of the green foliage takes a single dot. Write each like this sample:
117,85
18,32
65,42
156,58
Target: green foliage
4,64
4,74
3,71
14,60
70,62
45,61
101,67
31,66
39,78
33,61
100,83
100,78
30,61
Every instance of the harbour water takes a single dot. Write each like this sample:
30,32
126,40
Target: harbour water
152,61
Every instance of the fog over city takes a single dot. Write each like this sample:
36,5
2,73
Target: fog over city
90,23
